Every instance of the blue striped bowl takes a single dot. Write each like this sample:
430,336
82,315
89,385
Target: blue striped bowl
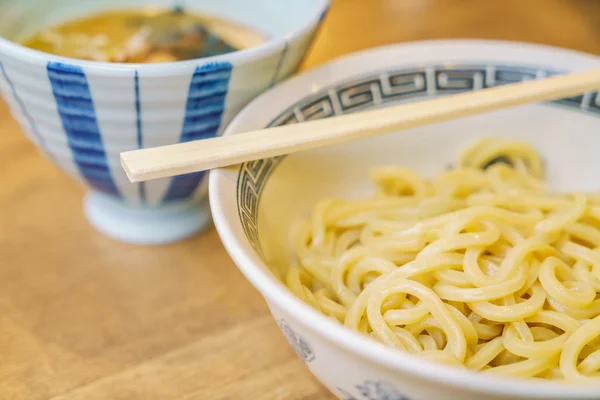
83,114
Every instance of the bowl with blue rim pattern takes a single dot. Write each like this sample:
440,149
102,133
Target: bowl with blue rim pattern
83,114
258,206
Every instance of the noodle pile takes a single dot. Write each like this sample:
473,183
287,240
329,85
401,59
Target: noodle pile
482,267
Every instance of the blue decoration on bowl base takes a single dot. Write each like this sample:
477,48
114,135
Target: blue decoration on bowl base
78,116
300,346
374,390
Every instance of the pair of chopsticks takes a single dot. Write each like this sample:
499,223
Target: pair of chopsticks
160,162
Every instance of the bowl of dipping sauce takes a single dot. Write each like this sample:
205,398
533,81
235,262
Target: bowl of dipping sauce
89,80
454,261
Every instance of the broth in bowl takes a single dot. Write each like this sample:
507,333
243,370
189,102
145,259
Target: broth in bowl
145,36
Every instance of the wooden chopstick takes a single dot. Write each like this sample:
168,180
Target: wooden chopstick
160,162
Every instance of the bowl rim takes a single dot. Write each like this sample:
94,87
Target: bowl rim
256,270
35,57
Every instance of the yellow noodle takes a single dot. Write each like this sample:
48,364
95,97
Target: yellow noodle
481,267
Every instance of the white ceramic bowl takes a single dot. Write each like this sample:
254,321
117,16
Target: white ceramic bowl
256,207
83,114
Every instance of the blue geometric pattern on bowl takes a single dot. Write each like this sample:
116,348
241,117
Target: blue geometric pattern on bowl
250,185
78,115
300,346
380,88
374,390
203,112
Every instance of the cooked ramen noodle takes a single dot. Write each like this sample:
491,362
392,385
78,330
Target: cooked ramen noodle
481,267
145,35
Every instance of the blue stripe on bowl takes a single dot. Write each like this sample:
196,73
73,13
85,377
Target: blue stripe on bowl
324,13
279,63
76,109
140,138
203,114
30,121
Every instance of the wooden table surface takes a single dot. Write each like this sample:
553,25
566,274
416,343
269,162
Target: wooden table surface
83,317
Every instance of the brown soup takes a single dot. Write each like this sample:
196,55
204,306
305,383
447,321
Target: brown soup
144,36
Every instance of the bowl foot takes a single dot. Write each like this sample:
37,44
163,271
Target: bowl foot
147,226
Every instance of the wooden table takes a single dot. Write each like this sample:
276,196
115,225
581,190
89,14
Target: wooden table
83,317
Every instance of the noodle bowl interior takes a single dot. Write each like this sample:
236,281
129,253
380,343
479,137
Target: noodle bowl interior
482,267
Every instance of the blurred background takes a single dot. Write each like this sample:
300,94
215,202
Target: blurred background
358,24
83,317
